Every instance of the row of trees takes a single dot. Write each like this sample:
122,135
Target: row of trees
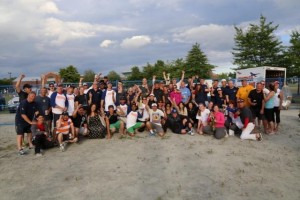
255,46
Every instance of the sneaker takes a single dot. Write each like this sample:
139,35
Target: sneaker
260,137
192,133
21,152
62,147
151,133
38,154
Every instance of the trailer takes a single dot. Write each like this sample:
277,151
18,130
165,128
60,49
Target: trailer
265,73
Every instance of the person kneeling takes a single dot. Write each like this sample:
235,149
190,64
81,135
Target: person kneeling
113,123
40,132
179,124
132,124
64,124
216,120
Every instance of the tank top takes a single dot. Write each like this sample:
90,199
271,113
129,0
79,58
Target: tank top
276,98
270,103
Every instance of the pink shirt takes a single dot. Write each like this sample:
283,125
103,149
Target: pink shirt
220,119
177,96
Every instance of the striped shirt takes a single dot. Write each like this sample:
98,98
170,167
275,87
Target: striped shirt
64,127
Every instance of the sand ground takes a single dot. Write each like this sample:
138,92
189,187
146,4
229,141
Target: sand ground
177,167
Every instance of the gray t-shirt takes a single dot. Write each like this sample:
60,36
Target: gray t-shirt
43,104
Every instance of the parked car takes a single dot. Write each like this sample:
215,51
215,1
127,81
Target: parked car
13,104
2,102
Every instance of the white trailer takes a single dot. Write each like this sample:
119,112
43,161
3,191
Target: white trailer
265,73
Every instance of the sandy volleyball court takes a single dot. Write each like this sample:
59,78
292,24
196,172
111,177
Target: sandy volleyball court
177,167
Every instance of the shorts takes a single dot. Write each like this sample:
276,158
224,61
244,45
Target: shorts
256,113
66,137
21,129
158,128
115,125
136,126
269,114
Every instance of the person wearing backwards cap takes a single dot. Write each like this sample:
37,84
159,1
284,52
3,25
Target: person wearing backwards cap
244,91
179,124
26,87
246,118
155,120
64,124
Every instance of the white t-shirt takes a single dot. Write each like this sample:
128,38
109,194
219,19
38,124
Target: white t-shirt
203,115
145,116
276,98
71,107
60,101
124,108
131,119
109,99
155,116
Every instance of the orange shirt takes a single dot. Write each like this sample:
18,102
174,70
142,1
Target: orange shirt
65,126
243,93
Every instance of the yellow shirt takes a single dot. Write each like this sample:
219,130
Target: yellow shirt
243,93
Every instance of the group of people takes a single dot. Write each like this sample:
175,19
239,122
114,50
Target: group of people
65,114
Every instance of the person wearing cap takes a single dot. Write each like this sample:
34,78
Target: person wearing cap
156,90
179,124
44,106
244,91
123,109
59,104
156,116
278,98
108,97
151,99
246,118
256,101
142,109
132,123
24,119
220,98
63,127
79,119
26,88
224,85
51,89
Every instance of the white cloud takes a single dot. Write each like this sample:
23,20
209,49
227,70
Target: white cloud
49,7
107,43
208,36
136,41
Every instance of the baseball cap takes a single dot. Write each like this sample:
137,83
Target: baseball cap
122,98
51,84
151,94
84,84
223,80
60,85
219,89
153,104
276,82
240,100
27,86
174,111
108,82
65,113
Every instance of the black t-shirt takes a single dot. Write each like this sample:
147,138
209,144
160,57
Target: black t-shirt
81,99
231,92
79,120
22,95
96,96
256,97
245,113
112,118
158,93
203,88
175,124
43,104
28,109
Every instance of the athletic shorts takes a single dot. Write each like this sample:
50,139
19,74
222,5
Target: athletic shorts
158,128
66,137
136,126
21,129
115,125
256,113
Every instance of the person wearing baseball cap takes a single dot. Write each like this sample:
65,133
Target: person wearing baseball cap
244,91
156,116
246,118
23,94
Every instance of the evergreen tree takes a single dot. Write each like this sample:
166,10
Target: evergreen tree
113,76
197,63
294,55
89,75
257,46
136,74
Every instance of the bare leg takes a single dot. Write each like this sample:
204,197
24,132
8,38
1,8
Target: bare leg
29,138
19,142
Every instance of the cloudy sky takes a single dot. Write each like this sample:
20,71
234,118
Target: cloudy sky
38,36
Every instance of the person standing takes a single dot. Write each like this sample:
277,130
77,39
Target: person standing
44,107
24,119
230,92
26,89
244,91
256,101
278,98
94,96
185,93
269,110
108,98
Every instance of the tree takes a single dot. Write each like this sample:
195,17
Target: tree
257,46
197,63
293,55
113,76
89,75
69,74
136,74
